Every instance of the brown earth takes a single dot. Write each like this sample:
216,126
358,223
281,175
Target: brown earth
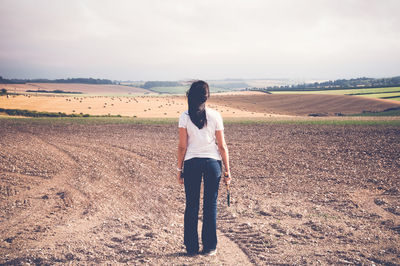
303,104
301,194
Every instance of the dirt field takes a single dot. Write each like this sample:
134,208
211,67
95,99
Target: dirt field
301,194
303,104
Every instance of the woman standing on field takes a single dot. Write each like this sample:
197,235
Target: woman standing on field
200,150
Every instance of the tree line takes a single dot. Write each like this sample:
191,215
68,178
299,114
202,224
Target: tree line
68,80
55,91
355,83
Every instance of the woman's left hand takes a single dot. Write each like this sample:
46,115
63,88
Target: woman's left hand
180,179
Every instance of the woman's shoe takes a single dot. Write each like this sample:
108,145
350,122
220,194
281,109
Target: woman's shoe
209,252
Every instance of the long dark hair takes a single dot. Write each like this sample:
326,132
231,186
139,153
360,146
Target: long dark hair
197,96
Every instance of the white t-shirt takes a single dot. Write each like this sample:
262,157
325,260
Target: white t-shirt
201,142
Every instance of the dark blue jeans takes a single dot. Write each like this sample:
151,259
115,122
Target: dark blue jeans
194,170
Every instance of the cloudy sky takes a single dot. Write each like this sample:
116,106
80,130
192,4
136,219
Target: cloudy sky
208,39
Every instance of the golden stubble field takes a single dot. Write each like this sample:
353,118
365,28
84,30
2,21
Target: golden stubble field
139,106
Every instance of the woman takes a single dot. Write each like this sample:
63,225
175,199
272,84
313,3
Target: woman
201,148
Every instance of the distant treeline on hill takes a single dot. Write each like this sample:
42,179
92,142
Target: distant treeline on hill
69,80
55,91
357,83
154,84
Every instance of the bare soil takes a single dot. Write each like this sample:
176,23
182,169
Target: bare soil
301,194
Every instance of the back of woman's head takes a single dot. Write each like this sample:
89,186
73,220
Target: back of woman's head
197,96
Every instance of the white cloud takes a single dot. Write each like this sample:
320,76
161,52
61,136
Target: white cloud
173,39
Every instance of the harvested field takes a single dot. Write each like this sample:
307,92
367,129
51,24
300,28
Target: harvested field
303,104
71,87
301,194
139,106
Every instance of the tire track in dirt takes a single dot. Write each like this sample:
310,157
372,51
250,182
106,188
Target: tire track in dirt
71,169
252,243
110,183
75,225
50,201
370,201
67,177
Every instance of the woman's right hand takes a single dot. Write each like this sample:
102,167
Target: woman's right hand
227,177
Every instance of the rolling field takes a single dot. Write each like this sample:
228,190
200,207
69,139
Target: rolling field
134,106
107,194
231,104
392,93
302,104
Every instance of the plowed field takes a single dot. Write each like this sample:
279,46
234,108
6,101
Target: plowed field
303,104
301,194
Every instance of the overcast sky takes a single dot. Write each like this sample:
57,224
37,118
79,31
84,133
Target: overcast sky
207,39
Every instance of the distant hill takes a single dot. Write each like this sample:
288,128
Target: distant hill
229,85
154,84
339,84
